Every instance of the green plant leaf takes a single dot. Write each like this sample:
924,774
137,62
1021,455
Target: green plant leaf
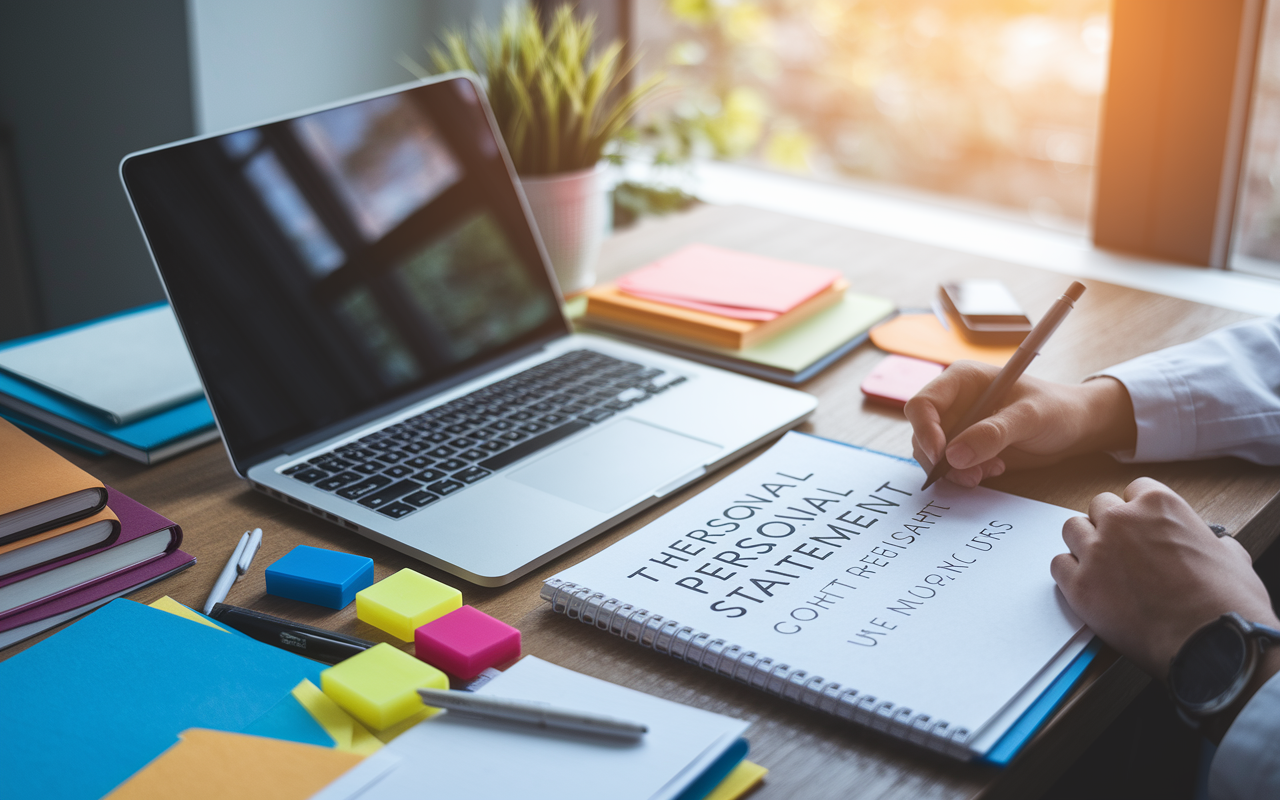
557,106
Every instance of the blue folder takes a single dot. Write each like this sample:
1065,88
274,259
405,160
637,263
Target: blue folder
90,706
1009,745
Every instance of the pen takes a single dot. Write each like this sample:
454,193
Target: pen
1013,369
318,644
236,566
535,715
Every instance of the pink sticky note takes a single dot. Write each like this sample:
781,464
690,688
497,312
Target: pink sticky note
727,282
896,379
466,642
754,314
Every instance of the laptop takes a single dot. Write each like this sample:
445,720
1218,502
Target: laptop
382,341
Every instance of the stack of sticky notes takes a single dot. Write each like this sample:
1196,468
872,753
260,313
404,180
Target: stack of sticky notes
767,317
379,686
322,577
466,642
405,602
717,297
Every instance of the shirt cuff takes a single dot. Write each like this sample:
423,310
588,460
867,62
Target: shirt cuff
1163,409
1247,764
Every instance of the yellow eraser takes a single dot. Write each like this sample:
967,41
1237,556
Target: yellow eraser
379,686
404,602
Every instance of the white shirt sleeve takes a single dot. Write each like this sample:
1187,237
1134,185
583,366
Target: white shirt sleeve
1247,764
1216,396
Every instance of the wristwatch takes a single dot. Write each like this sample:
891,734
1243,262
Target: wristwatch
1214,666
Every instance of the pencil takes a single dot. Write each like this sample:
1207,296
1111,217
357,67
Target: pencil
1008,376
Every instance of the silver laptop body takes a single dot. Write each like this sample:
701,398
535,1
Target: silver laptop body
379,335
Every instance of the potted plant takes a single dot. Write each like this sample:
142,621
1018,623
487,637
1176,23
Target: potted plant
559,107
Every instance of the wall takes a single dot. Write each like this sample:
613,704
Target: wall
253,60
82,83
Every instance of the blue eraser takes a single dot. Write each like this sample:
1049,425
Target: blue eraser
323,577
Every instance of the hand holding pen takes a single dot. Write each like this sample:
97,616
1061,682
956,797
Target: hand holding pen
974,420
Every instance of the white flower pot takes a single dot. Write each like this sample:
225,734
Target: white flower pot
569,209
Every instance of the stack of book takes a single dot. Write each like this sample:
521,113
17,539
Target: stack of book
124,384
777,320
67,543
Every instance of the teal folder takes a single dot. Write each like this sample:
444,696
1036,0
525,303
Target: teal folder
90,706
706,783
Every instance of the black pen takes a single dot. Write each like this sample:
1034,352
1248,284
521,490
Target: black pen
1013,369
318,644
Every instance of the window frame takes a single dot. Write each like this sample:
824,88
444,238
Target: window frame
1174,125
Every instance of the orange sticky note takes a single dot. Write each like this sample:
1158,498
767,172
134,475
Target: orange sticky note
215,765
727,282
922,336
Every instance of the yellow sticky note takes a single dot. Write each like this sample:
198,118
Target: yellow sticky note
167,603
347,733
389,735
404,602
743,779
215,765
379,686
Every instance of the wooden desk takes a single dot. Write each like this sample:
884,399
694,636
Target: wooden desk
809,755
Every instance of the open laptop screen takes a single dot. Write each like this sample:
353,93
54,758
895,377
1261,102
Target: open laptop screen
326,266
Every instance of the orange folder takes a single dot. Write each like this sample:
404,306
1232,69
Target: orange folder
213,765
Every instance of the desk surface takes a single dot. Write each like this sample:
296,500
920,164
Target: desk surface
808,754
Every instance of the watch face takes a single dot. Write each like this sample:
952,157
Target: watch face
1208,666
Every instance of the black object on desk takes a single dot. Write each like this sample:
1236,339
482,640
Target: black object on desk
317,644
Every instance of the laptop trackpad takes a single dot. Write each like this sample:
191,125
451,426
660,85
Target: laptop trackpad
617,464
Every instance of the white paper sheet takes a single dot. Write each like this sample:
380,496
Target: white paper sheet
461,758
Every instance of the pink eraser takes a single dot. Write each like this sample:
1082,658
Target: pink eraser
466,642
896,379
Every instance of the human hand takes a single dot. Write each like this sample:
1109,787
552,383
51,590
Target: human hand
1040,423
1144,572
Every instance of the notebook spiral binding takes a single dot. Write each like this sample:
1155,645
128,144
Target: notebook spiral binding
671,638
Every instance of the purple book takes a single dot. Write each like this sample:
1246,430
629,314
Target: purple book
147,547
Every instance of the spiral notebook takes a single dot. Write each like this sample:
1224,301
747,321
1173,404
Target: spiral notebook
821,573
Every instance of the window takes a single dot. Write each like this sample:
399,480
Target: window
990,100
1256,245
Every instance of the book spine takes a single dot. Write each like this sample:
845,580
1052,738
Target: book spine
669,637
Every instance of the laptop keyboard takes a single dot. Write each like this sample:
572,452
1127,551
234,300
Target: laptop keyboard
409,465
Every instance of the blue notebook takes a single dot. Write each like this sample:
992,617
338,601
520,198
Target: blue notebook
93,704
147,440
